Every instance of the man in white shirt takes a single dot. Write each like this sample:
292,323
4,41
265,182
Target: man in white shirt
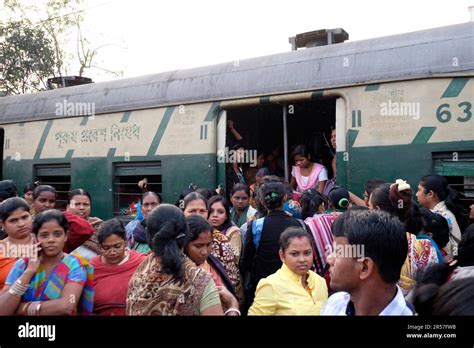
370,248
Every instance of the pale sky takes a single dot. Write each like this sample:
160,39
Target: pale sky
156,36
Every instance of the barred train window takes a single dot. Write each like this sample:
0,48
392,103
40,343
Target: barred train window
58,176
126,191
458,169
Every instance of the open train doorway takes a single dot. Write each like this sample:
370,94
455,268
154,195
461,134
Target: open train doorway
261,130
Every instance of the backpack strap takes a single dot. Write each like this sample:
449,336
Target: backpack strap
257,227
302,223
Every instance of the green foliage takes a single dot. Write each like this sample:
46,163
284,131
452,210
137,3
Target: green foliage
32,42
26,59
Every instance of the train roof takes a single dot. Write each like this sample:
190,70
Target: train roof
420,54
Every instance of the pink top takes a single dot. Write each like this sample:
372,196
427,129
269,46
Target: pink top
311,181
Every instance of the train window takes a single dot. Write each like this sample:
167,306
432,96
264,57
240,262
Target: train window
458,169
127,193
58,176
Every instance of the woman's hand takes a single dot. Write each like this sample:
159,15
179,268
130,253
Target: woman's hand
95,222
34,262
143,184
228,300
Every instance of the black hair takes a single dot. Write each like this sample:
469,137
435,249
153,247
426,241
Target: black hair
382,197
50,215
311,200
29,187
110,227
452,298
196,225
167,233
358,208
240,187
193,196
272,194
439,185
372,184
437,225
180,201
300,150
413,223
9,205
261,210
455,298
465,255
205,192
217,198
7,189
270,178
150,193
428,287
288,190
80,192
43,188
439,273
339,198
382,235
290,233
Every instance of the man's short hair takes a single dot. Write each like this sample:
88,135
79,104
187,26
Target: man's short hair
382,236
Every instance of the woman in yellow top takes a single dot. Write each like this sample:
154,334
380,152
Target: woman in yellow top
293,289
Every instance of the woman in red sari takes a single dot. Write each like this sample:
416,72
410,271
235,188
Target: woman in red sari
113,269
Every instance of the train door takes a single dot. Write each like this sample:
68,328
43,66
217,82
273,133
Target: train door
270,130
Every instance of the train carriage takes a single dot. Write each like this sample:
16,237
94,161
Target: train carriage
402,106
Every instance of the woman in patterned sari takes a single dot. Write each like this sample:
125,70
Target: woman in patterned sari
198,249
50,282
167,282
222,249
396,199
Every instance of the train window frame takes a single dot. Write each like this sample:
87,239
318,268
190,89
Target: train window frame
458,168
132,172
57,175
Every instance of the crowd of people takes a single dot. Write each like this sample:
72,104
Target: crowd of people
269,247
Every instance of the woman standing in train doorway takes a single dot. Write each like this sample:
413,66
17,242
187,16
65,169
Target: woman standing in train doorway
307,174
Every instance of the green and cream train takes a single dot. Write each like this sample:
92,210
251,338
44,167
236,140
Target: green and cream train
402,107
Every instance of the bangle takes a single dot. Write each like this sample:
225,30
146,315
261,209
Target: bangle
38,307
33,308
18,288
30,309
25,308
232,310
